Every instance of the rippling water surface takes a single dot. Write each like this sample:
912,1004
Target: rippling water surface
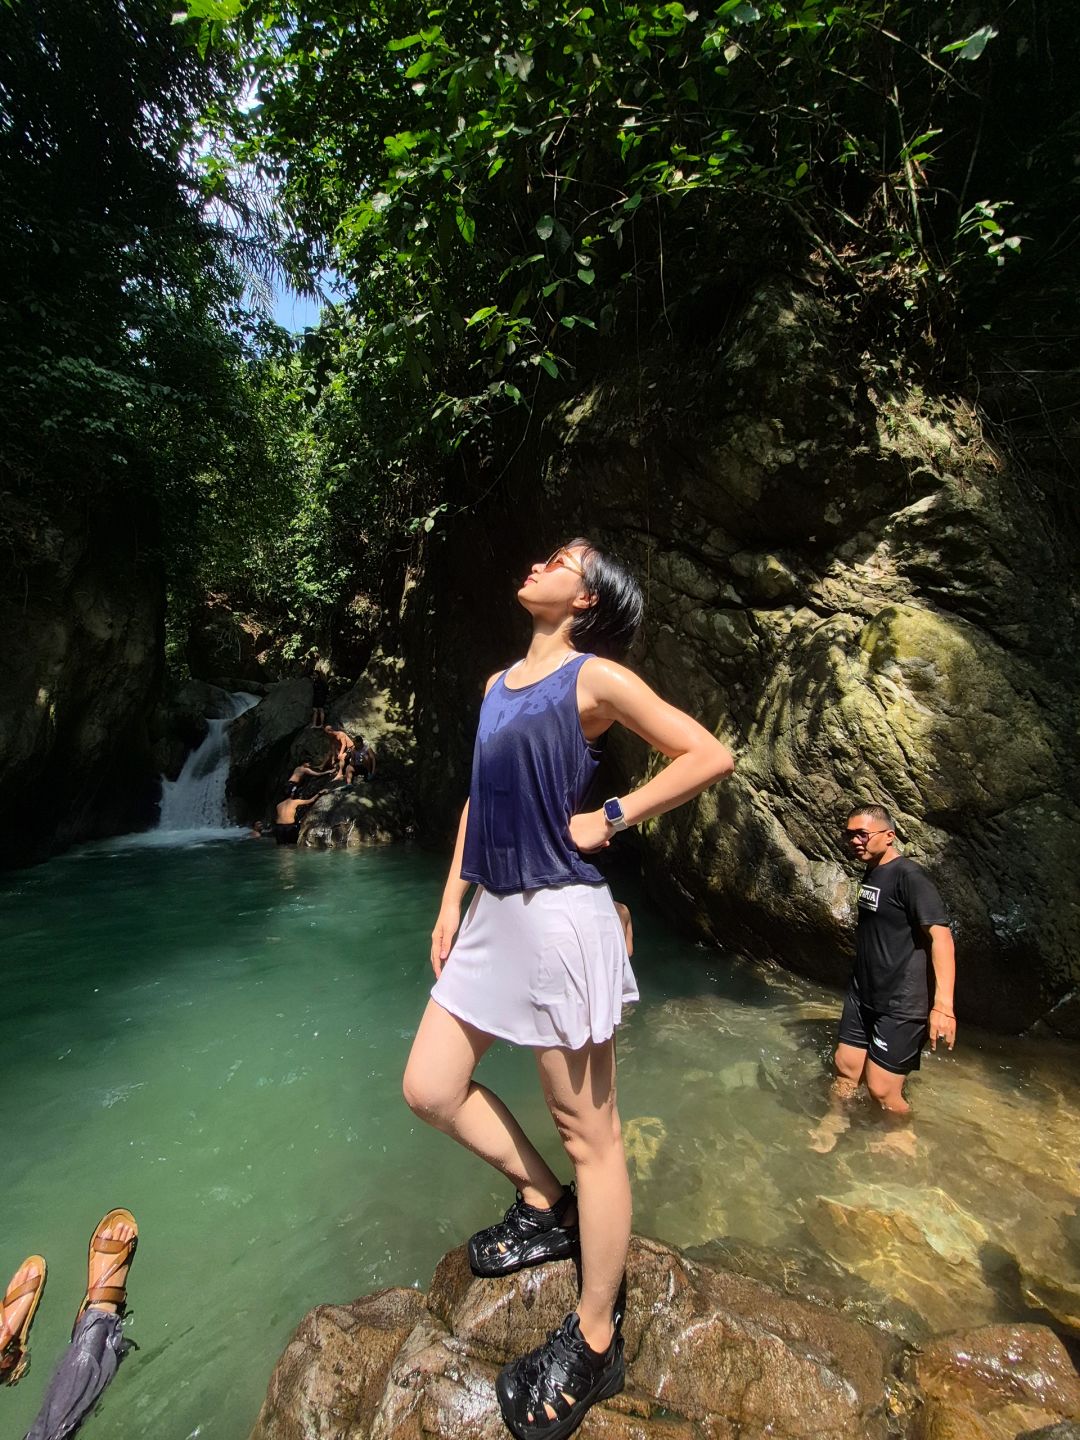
213,1034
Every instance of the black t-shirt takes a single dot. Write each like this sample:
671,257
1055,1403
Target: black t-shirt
319,691
891,949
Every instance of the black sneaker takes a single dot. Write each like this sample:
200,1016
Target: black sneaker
526,1235
563,1365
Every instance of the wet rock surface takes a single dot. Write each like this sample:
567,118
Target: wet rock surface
260,741
335,1367
711,1355
178,724
998,1381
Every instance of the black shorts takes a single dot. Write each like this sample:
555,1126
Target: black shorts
892,1042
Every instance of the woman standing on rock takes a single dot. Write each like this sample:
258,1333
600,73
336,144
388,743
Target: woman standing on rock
541,960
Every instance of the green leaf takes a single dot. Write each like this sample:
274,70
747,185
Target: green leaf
586,276
422,64
466,224
545,226
973,46
547,363
484,313
406,44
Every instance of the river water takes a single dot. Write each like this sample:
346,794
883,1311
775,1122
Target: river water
213,1035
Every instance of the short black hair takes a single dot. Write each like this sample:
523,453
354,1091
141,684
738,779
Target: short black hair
609,625
874,812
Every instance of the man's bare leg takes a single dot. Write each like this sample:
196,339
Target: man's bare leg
850,1064
887,1090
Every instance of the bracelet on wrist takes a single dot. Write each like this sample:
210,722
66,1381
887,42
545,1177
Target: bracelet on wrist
936,1009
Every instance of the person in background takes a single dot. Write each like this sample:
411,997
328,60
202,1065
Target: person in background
360,762
286,818
902,931
342,745
320,694
294,787
97,1341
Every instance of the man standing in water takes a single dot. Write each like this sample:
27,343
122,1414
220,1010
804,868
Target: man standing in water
901,925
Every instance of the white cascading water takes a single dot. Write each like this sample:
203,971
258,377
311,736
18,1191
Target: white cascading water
196,799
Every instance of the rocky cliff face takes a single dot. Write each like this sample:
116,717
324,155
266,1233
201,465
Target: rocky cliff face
82,666
848,584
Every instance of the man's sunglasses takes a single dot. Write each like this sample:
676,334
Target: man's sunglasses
860,835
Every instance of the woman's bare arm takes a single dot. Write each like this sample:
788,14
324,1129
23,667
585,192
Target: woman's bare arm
610,694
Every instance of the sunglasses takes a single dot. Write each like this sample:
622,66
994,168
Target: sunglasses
860,835
562,559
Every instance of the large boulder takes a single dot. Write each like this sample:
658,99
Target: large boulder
334,1369
269,741
178,723
261,741
350,817
848,584
994,1383
711,1355
750,1361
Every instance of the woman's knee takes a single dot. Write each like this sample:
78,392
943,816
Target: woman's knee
427,1098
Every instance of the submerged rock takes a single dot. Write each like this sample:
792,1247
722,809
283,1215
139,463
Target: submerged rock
915,1243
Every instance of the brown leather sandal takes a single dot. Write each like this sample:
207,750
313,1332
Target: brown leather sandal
103,1293
14,1358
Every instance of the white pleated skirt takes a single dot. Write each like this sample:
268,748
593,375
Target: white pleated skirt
540,968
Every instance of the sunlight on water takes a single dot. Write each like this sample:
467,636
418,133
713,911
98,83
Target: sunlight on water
214,1035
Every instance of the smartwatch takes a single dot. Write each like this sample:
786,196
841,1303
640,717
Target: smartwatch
613,814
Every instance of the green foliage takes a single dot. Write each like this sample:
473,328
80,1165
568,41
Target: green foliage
514,191
125,375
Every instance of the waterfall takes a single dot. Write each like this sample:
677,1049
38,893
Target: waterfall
195,800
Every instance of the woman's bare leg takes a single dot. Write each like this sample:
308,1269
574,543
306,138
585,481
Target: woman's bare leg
439,1088
579,1086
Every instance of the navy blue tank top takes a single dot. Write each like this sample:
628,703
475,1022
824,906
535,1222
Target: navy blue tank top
532,767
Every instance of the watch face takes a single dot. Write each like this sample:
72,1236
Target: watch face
613,810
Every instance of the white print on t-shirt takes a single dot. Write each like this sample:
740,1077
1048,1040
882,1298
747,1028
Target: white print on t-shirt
869,895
